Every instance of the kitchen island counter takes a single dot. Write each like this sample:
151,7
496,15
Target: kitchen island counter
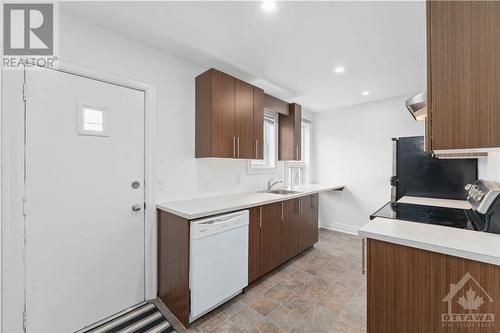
468,244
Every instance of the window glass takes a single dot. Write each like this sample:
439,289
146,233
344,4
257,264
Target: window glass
269,145
92,119
298,172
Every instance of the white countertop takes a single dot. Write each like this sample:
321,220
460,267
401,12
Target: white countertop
469,244
460,204
208,206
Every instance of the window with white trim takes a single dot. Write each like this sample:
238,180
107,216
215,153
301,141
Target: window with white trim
298,172
92,120
270,152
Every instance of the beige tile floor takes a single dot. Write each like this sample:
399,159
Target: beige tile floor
322,290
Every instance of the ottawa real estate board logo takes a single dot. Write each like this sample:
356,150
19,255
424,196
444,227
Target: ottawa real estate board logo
468,305
28,35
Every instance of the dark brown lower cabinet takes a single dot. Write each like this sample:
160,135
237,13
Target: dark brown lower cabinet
314,218
413,290
289,235
307,224
173,264
275,231
287,229
271,253
254,241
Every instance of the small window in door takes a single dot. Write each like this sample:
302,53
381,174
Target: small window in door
92,120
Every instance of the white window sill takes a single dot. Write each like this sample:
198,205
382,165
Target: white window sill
295,164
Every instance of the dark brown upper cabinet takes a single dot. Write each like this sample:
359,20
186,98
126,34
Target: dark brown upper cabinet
258,120
463,48
275,104
229,117
243,111
290,134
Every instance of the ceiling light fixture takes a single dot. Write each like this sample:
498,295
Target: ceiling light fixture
339,69
268,6
365,93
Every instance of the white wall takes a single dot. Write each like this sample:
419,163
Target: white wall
182,175
354,148
490,168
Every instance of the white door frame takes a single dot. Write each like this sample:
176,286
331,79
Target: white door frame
13,161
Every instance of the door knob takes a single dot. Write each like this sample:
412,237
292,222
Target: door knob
136,208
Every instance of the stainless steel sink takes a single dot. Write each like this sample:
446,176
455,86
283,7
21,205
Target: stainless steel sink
282,191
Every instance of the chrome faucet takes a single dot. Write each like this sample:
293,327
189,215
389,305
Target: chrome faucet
270,185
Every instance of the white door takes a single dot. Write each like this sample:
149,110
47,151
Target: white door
84,242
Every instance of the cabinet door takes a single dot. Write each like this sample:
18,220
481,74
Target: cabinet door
289,233
243,111
223,116
494,86
409,290
290,134
308,222
463,74
271,253
313,219
254,244
303,225
258,123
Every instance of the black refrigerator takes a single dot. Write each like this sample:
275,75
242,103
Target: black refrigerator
418,173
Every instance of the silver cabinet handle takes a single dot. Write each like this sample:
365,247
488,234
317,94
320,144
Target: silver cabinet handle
297,152
282,218
136,208
363,265
260,221
234,146
256,148
238,146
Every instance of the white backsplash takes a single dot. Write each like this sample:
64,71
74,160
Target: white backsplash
489,168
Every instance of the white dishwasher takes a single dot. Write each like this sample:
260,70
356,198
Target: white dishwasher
218,260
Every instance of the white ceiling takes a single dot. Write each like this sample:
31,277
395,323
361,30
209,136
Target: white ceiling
292,52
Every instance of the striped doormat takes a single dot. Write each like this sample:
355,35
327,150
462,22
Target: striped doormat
145,319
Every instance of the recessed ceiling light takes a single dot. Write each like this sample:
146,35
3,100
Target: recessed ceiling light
339,69
365,93
268,6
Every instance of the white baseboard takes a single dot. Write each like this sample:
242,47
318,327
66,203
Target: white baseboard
345,228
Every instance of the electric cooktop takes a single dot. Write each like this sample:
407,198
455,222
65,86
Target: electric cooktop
449,217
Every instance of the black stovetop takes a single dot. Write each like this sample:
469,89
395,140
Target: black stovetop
450,217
